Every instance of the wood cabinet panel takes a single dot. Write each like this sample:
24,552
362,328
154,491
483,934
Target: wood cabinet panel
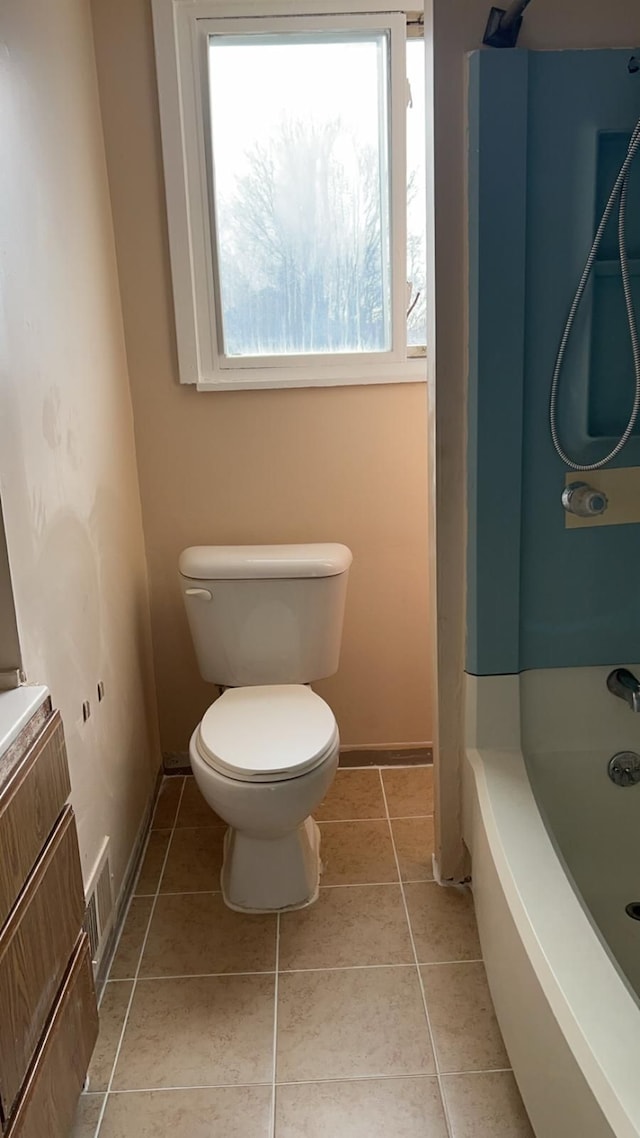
47,1106
30,802
35,945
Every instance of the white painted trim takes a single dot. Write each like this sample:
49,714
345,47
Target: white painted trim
216,368
411,371
165,30
397,183
166,10
181,30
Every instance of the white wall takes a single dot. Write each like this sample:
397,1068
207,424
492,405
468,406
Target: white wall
68,476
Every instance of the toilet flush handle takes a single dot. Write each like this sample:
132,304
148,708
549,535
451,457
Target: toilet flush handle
204,594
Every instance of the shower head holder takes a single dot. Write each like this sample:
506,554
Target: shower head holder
503,25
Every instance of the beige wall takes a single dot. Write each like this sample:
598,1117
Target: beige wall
346,464
458,26
67,463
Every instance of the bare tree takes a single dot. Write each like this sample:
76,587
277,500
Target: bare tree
303,249
416,277
301,246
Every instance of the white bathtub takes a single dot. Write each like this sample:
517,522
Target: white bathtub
570,1021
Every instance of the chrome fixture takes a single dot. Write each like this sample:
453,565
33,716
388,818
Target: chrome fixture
582,500
623,683
624,768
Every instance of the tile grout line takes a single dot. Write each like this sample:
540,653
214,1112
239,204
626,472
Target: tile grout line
432,1041
287,971
388,767
377,818
302,1082
272,1125
379,1078
377,884
345,885
137,971
320,821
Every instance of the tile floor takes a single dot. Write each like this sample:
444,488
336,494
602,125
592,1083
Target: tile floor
365,1015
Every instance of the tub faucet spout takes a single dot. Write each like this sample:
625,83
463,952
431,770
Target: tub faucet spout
623,683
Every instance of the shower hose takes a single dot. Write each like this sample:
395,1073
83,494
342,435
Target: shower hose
618,193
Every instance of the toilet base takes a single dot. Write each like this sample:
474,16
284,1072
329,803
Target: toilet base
268,875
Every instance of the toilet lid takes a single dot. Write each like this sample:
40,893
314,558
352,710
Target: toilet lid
267,733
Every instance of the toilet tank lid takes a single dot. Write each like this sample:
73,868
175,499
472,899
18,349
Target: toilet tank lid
234,562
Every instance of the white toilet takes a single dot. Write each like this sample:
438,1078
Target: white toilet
266,621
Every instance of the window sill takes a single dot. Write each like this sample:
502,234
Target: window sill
254,379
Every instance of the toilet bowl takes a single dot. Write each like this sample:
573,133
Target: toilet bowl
263,758
266,621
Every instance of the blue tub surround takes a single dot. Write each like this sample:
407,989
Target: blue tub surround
548,132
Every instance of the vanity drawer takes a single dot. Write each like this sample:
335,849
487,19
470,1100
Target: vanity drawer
30,803
48,1103
35,946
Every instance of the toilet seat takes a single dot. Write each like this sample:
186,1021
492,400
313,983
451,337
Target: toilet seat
267,733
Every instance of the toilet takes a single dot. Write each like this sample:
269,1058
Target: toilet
266,622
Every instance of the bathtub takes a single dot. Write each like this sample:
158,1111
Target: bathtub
555,851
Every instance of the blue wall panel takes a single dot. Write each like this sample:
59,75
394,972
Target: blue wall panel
497,175
546,130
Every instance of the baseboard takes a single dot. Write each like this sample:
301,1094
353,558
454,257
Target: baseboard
411,755
126,889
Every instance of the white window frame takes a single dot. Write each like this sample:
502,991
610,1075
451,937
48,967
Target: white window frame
182,29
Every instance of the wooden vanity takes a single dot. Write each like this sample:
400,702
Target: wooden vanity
48,1013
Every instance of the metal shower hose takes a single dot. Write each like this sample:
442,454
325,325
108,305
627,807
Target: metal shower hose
619,191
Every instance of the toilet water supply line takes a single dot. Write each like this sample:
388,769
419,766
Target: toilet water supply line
619,191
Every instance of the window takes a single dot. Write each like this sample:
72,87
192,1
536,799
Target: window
416,197
294,166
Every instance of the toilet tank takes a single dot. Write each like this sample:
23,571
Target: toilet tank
265,614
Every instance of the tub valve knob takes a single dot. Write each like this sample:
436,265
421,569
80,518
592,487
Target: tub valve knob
583,500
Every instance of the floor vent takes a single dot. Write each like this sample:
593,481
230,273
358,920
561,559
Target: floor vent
99,901
91,926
